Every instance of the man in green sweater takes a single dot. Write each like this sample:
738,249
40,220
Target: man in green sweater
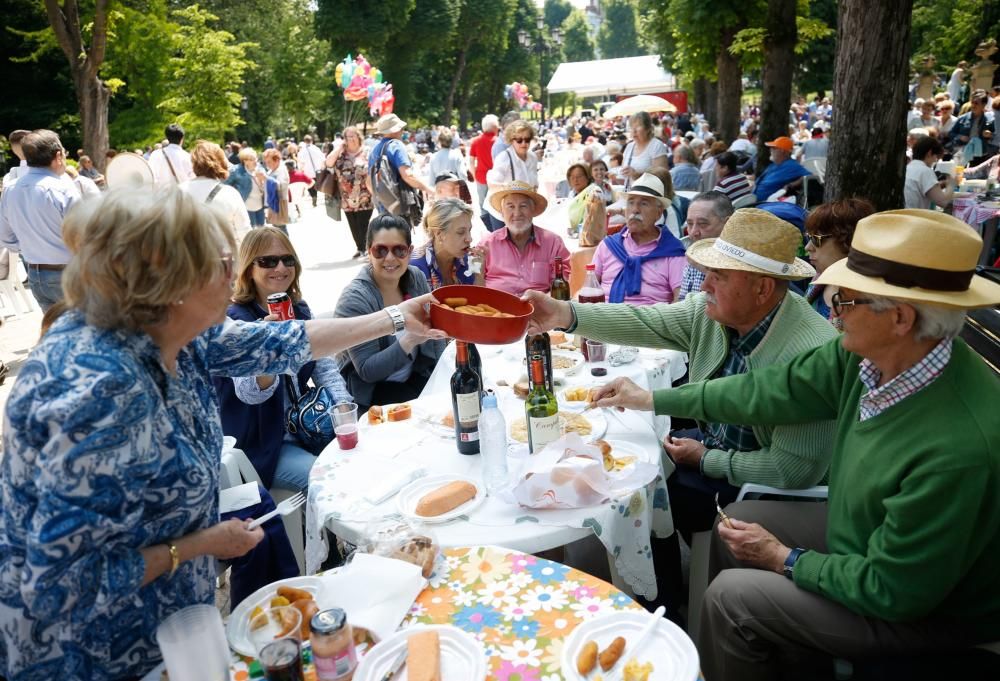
905,555
744,318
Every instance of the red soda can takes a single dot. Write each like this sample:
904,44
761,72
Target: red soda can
280,304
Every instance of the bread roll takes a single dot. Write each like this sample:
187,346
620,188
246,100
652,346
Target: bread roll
448,420
375,415
522,389
445,498
400,412
556,337
423,657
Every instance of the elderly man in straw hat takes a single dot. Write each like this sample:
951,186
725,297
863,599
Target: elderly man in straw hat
904,556
520,255
744,318
390,127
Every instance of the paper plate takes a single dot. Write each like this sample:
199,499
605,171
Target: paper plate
238,626
622,448
430,412
462,656
408,497
671,651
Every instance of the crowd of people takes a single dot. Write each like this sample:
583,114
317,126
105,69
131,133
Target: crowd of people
821,349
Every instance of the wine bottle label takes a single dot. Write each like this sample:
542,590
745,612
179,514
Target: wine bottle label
469,437
544,430
468,407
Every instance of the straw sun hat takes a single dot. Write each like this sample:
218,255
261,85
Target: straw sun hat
389,124
754,240
915,255
518,187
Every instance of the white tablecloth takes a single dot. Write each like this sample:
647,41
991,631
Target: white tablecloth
339,479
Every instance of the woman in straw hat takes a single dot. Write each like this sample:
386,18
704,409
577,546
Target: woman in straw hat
904,556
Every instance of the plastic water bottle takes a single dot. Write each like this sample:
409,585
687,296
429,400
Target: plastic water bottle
493,445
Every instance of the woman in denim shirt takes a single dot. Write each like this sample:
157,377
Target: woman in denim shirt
109,483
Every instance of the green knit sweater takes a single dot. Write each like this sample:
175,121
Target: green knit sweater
791,456
914,511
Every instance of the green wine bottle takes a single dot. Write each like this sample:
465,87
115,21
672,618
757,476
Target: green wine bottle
541,411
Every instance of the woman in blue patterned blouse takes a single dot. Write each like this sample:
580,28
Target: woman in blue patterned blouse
110,477
444,259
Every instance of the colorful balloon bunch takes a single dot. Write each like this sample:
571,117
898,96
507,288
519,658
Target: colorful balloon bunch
518,92
362,81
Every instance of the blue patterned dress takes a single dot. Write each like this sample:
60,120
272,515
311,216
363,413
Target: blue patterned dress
107,453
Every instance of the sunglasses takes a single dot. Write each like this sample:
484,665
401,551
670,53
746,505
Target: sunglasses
817,239
838,303
521,140
399,252
269,262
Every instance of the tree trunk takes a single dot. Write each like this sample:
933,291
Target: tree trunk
91,94
712,103
867,145
92,97
779,63
700,94
449,101
730,87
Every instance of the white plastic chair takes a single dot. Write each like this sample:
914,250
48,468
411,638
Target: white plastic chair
745,201
11,287
237,469
698,578
707,180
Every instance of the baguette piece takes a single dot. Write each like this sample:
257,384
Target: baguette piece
400,412
445,498
423,657
375,415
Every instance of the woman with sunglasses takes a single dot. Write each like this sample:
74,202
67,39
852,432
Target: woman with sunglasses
516,162
830,229
444,259
253,407
393,368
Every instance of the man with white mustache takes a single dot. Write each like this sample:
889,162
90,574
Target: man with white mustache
744,318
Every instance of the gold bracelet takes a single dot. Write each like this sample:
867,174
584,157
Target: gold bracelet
175,558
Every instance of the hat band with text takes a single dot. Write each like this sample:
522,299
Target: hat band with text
908,276
751,258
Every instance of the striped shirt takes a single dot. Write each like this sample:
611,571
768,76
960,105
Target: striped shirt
734,186
913,380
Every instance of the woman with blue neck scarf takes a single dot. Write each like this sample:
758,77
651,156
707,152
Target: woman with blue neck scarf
642,264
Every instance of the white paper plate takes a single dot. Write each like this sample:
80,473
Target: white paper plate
462,656
671,651
408,497
620,448
575,357
238,626
429,413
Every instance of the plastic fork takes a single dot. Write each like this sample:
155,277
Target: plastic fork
284,508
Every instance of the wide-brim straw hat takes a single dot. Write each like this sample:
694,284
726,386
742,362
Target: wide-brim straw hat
754,240
915,255
389,124
518,187
649,185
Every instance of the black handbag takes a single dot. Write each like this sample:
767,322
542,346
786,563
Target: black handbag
309,416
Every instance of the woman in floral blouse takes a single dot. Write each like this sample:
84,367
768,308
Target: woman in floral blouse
350,162
109,484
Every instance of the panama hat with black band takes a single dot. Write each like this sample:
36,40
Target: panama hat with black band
754,240
649,185
921,256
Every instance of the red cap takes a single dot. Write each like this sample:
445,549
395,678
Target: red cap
781,143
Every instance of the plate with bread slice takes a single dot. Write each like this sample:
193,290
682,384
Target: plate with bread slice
439,652
440,498
389,413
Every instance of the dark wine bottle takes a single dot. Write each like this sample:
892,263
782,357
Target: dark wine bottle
541,411
476,364
466,401
559,289
539,344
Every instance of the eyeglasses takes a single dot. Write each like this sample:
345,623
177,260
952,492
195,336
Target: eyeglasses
399,252
839,303
227,265
269,262
817,239
521,140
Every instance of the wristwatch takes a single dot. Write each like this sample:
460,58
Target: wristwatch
793,557
398,322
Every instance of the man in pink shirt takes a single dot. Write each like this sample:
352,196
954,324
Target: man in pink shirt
520,256
641,264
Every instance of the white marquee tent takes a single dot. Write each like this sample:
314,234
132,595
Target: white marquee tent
606,77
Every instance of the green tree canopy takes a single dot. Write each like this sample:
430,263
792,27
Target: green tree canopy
578,45
619,32
555,12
